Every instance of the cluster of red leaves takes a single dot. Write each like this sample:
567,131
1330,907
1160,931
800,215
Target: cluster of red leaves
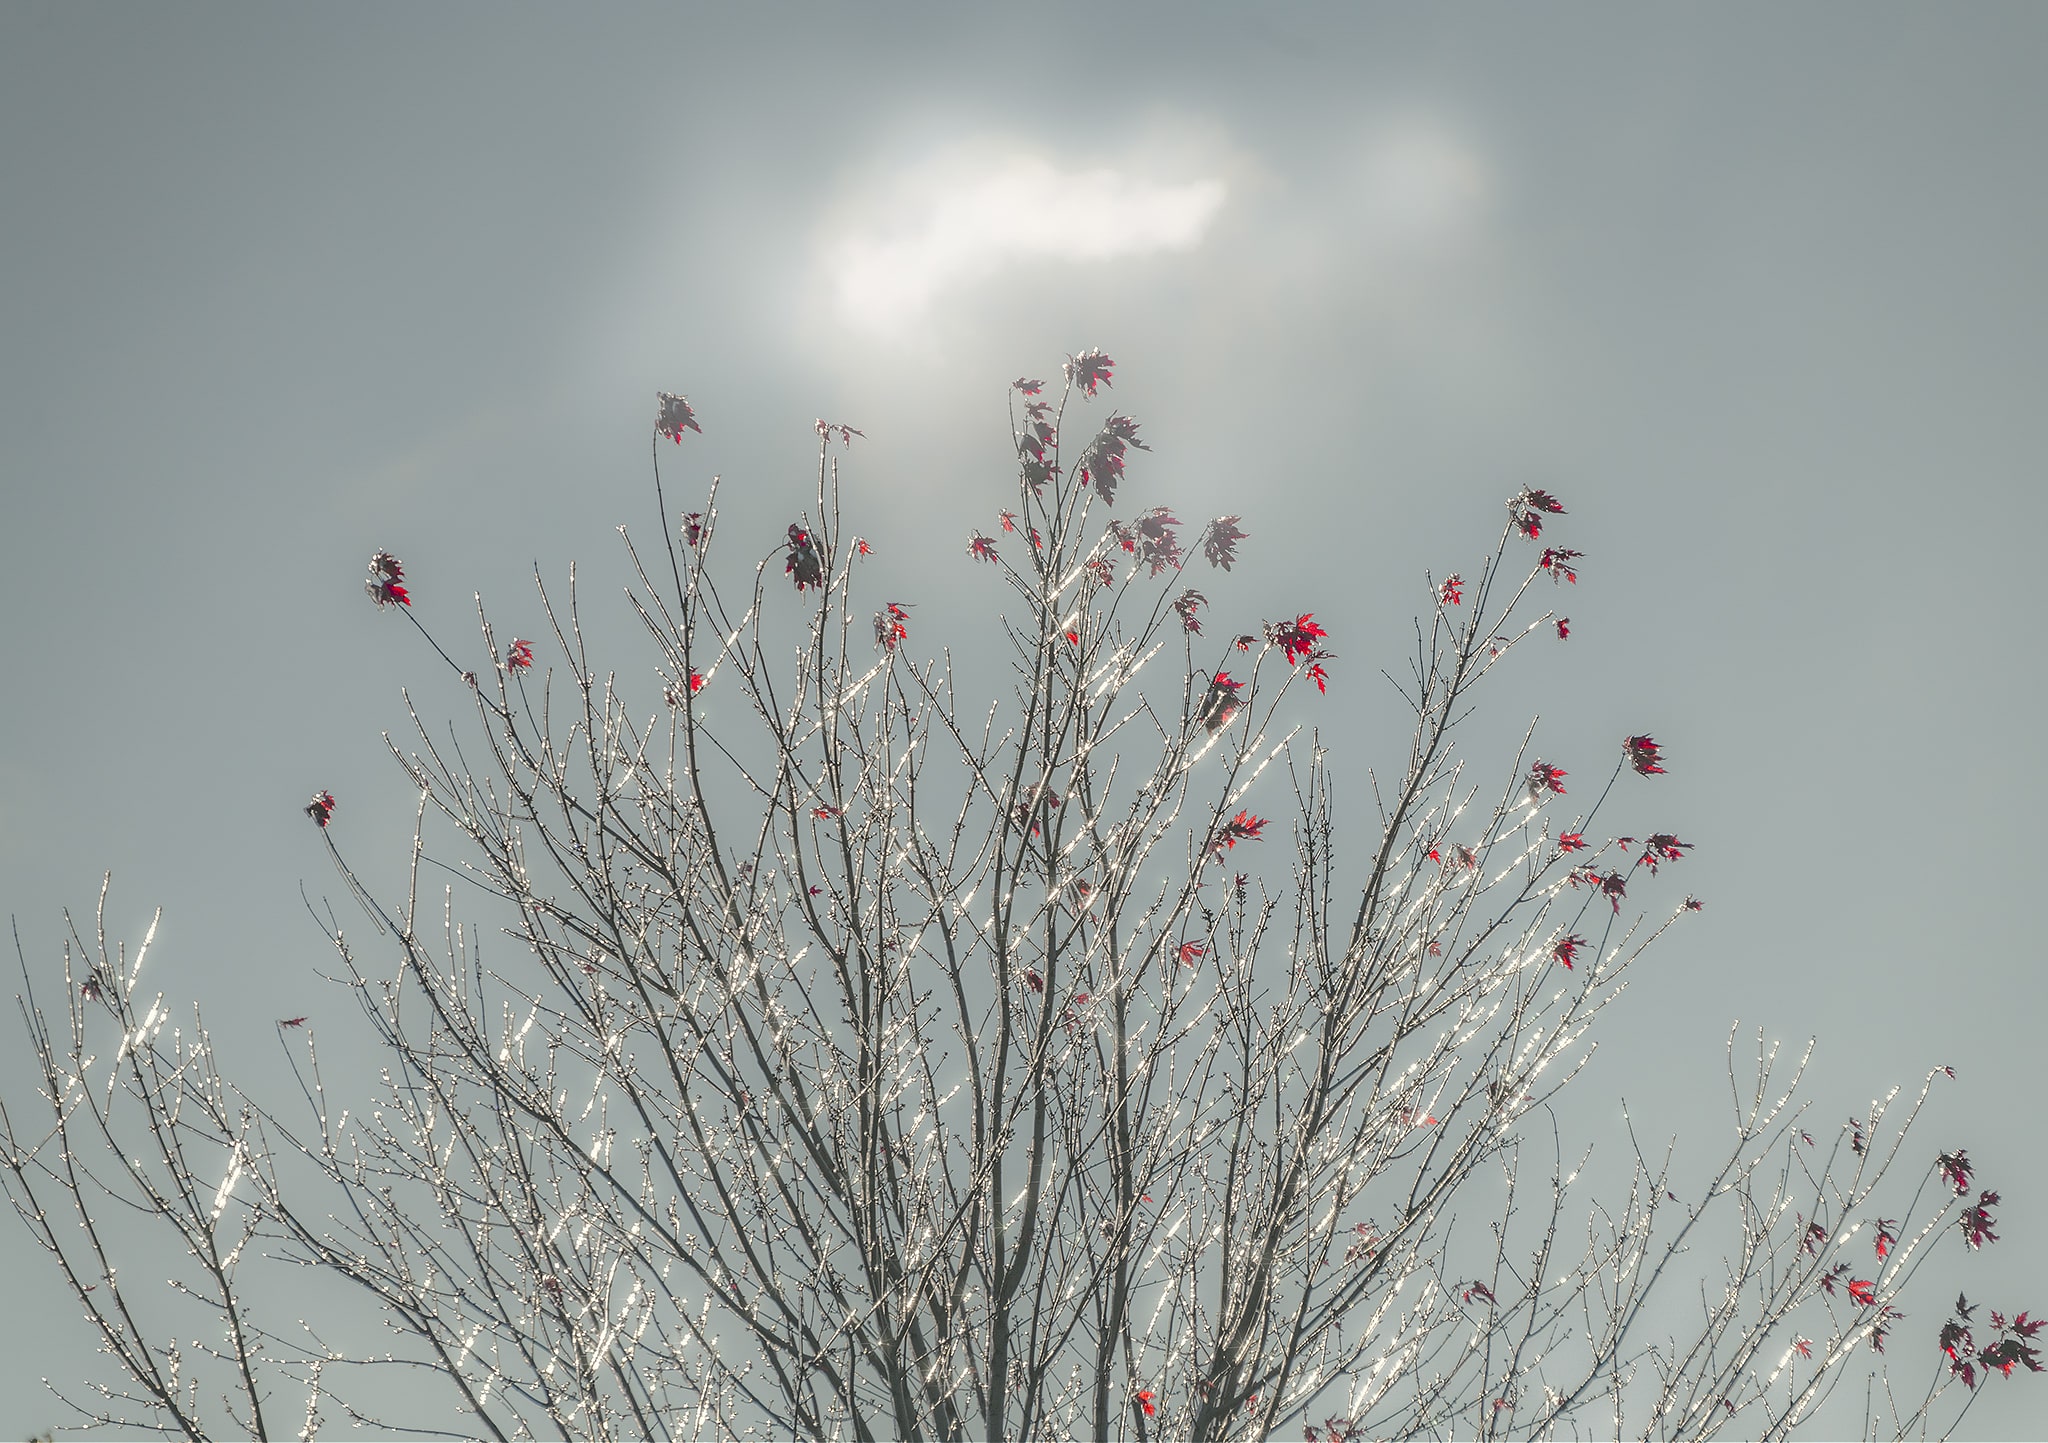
321,807
2013,1346
1297,638
1566,949
1956,1168
693,529
1529,508
1558,561
803,564
1572,842
1244,827
677,416
1102,464
1334,1430
1887,1237
1184,607
1100,572
981,548
1219,541
1663,847
385,574
1477,1290
1219,702
1462,856
1546,780
846,433
1564,628
1151,537
1452,592
1191,953
1814,1238
520,656
891,626
1088,370
1038,436
1977,1221
1613,886
1145,1401
1642,754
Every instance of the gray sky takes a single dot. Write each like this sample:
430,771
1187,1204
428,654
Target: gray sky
1756,290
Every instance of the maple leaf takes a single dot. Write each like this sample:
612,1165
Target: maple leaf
1152,536
846,433
1863,1291
1244,827
1088,370
321,807
1804,1346
1564,628
1546,780
693,529
981,548
1557,560
292,1021
1452,592
891,626
1184,607
1977,1221
1008,518
1102,464
677,416
1029,388
803,565
1663,847
1219,702
1642,754
1566,950
1219,541
1572,842
520,657
1191,952
1956,1169
1296,638
383,587
1887,1236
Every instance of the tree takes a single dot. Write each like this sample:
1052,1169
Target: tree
852,1060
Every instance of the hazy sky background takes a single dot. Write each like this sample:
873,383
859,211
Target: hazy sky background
1757,291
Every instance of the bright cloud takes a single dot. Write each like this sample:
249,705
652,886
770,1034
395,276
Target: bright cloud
954,224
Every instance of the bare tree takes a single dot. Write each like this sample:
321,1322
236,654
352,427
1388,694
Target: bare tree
843,1057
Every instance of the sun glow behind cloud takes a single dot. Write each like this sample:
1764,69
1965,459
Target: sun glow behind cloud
964,219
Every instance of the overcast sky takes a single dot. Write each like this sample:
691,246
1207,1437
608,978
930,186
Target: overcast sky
1757,291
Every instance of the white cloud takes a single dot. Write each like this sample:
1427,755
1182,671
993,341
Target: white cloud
956,222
